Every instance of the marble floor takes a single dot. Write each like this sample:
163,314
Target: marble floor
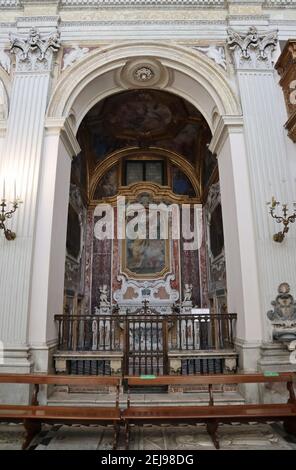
77,437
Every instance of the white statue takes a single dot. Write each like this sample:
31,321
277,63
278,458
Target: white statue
4,60
75,54
215,53
104,296
188,293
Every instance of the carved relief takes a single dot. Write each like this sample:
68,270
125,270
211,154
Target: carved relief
216,53
153,291
4,60
73,55
253,49
34,52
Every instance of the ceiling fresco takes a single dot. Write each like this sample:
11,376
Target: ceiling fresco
146,119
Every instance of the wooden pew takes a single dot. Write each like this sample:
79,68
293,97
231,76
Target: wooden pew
211,414
32,416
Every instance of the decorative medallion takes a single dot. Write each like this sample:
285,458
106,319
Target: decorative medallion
143,74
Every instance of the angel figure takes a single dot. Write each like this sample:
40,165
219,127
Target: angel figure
188,292
75,54
104,296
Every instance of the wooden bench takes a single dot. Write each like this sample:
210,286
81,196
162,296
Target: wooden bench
211,414
32,416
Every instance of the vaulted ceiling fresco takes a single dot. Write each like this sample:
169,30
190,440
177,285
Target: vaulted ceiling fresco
146,119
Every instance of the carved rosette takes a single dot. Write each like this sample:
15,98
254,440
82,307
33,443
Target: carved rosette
252,50
34,53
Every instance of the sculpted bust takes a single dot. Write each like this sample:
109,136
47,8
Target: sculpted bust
283,316
284,305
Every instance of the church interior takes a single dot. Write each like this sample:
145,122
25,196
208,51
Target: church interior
147,225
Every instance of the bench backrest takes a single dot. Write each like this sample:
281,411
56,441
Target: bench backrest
210,380
216,379
42,379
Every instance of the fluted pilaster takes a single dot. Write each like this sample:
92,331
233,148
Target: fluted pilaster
272,172
21,162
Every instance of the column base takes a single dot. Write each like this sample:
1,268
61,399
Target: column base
275,357
249,353
16,360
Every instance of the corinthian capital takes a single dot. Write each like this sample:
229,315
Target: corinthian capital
34,53
253,49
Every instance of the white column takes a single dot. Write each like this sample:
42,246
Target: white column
50,243
240,249
272,170
21,161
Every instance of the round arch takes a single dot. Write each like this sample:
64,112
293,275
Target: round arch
115,157
195,77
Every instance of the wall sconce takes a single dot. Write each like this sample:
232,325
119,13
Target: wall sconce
7,214
284,219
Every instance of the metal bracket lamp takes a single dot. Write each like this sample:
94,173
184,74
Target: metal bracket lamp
285,219
6,214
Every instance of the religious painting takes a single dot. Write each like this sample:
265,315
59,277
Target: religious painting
216,231
145,258
73,243
181,184
185,141
108,184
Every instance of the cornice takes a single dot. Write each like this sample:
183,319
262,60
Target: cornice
142,3
129,4
225,126
62,127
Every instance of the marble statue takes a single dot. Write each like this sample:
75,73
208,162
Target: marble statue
283,315
104,296
187,293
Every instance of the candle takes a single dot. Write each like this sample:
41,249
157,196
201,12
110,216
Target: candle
14,190
3,189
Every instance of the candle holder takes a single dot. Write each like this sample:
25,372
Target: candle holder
7,214
285,219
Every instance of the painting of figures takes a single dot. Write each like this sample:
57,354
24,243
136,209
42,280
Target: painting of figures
145,257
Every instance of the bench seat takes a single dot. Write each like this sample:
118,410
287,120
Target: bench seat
54,413
34,415
212,414
169,413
